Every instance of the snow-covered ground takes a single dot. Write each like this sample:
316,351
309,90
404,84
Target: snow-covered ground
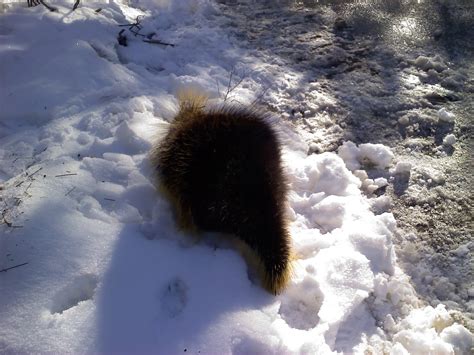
101,266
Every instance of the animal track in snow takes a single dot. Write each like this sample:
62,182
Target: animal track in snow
300,306
81,289
174,297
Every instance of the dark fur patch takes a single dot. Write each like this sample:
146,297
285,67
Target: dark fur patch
222,169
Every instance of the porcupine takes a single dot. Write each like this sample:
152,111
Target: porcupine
222,169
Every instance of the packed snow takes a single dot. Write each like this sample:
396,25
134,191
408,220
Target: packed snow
90,255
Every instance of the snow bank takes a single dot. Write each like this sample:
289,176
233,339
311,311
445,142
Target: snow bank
107,271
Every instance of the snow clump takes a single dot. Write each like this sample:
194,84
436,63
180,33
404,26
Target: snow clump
449,140
365,154
445,116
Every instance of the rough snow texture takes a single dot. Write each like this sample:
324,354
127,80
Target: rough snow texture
108,271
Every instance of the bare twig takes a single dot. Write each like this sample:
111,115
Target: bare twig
228,85
231,87
61,175
109,199
134,24
67,193
12,267
36,171
76,4
135,28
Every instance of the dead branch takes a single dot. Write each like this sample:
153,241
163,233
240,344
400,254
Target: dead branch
76,4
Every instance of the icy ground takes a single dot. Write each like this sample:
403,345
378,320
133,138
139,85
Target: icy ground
392,72
90,257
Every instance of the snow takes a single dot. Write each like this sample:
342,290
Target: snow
429,329
401,167
365,154
449,140
445,116
427,64
107,269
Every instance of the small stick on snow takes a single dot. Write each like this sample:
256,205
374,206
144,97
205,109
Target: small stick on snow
155,41
12,267
231,88
109,199
61,175
76,4
36,171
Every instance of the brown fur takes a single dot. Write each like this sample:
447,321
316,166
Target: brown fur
222,170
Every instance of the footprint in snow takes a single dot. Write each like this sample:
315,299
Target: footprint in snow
174,297
301,303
